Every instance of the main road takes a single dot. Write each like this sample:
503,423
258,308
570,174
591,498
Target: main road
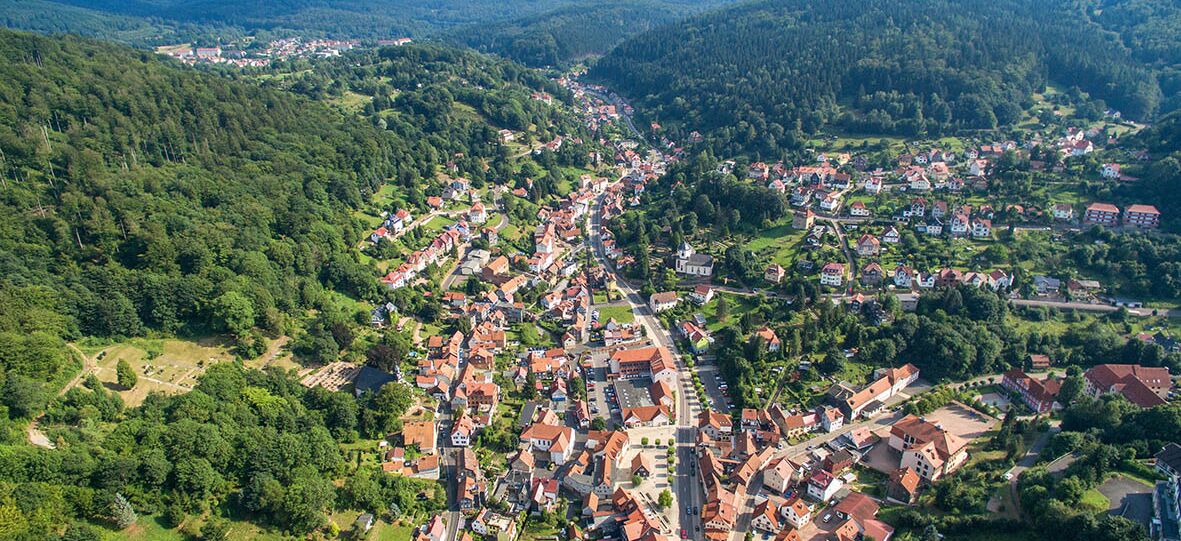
690,497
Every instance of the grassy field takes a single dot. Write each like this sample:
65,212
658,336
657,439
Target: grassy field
622,314
165,366
435,225
148,528
779,244
350,101
1095,500
739,304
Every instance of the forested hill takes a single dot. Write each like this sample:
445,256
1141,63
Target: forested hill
137,195
576,31
156,22
756,76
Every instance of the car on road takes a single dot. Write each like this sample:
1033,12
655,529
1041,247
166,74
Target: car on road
684,534
827,518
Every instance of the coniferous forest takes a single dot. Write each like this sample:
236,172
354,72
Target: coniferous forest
761,75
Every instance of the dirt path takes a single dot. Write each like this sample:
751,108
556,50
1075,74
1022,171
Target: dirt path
89,366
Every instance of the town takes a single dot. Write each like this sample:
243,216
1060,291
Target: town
624,428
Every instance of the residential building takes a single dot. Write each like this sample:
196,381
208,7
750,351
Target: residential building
1142,216
1167,495
822,486
903,486
868,246
833,274
930,450
1104,214
660,302
557,441
774,273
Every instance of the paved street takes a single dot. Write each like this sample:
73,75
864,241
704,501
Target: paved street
687,490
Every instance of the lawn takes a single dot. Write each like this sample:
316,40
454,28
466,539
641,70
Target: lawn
622,314
436,224
1095,500
779,244
739,304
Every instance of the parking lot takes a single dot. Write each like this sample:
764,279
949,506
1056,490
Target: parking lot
712,380
596,378
633,393
1128,498
962,421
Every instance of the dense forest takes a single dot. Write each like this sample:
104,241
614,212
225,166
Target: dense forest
156,22
577,31
759,76
243,444
142,197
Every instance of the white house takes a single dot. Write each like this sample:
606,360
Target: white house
822,486
660,302
833,274
981,228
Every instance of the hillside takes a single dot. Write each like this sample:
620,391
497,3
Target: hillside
757,76
156,22
142,197
577,31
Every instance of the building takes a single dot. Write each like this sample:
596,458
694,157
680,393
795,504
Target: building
702,294
857,513
692,263
1063,211
1142,216
493,525
1039,395
868,246
1104,214
1167,496
645,416
822,486
557,441
1142,385
833,274
715,425
1039,362
774,273
423,434
831,419
872,397
903,486
434,530
660,302
930,450
769,338
650,362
